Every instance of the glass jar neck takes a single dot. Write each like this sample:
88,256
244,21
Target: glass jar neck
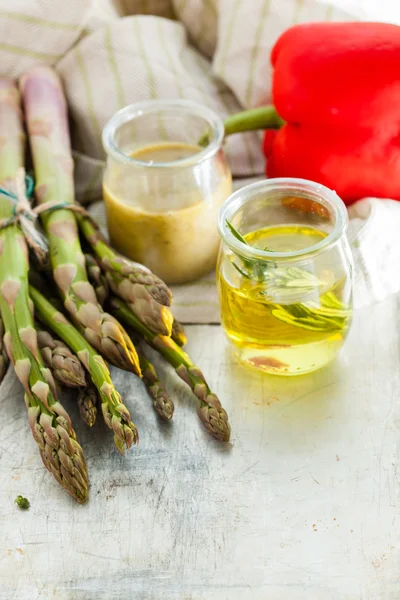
178,121
239,206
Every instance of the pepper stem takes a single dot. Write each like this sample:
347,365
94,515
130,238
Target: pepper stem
264,117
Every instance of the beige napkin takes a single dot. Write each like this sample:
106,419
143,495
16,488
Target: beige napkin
110,53
108,60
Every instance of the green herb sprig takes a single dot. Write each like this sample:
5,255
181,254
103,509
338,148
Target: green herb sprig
256,268
327,314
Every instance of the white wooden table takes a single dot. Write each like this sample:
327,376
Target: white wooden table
304,505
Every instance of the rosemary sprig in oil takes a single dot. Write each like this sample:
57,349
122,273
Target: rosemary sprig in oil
327,313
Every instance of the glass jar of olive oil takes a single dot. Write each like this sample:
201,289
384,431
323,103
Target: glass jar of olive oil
285,275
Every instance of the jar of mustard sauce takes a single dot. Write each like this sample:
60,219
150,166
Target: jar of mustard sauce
162,190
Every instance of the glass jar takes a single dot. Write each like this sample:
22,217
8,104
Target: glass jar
285,275
162,190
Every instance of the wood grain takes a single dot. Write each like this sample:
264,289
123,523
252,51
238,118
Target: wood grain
304,505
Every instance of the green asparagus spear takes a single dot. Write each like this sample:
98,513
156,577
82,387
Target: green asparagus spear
115,413
50,423
162,402
63,363
210,411
97,279
46,117
147,296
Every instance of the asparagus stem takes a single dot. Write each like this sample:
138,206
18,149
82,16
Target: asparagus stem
46,117
97,279
178,333
162,402
147,295
115,413
210,410
64,365
87,404
50,423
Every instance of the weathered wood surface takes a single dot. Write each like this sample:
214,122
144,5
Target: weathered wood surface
303,506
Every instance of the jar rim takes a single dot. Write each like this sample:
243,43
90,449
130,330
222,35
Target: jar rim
308,189
133,111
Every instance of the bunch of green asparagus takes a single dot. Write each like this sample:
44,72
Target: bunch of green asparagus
63,326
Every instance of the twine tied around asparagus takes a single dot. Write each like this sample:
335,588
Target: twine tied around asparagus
20,191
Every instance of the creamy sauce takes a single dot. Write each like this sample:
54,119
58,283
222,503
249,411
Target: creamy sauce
166,217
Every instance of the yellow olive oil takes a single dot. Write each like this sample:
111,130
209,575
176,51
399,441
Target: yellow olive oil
285,318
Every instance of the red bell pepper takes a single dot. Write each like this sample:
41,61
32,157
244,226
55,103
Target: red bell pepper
337,87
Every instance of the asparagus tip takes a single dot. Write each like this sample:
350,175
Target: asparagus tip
215,420
87,400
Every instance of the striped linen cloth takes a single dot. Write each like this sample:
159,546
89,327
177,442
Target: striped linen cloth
373,236
111,53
